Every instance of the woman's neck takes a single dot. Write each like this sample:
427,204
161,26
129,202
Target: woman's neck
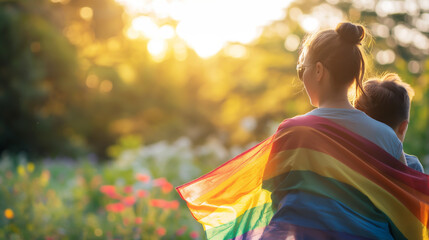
345,105
336,99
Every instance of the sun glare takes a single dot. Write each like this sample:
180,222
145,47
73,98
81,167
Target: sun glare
205,25
310,24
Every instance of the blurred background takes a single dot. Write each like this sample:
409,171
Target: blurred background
108,104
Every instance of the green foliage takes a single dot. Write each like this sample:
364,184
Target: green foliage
64,199
72,85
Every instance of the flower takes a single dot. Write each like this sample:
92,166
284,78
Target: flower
129,201
164,184
174,204
115,207
194,234
167,187
142,193
30,167
159,182
110,191
44,177
8,213
160,203
138,220
128,189
21,170
143,177
181,231
161,231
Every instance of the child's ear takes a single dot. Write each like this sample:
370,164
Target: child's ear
402,130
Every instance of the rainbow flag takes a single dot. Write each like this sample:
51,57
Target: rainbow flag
312,179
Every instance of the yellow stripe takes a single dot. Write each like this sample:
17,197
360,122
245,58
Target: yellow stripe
323,164
247,180
229,212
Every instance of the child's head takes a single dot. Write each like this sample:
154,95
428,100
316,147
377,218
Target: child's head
387,100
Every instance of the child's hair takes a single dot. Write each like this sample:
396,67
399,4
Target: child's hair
387,99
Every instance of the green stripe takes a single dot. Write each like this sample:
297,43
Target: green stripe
253,218
328,187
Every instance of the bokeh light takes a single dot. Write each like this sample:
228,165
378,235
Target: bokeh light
86,13
292,42
385,57
206,26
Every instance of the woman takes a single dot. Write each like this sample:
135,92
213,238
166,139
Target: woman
333,173
331,61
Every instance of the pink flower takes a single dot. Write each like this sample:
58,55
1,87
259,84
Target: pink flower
128,189
115,207
138,220
181,231
128,201
110,191
194,234
143,177
164,184
159,182
141,193
161,231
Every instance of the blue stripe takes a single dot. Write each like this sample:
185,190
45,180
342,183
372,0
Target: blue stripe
318,212
284,230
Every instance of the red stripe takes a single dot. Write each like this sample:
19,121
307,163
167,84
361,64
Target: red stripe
365,149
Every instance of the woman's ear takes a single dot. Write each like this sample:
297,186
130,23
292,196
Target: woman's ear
320,71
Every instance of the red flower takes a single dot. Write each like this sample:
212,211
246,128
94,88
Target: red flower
160,203
174,204
115,207
141,193
138,220
164,184
128,189
159,182
110,191
129,201
143,177
194,234
167,187
181,231
161,231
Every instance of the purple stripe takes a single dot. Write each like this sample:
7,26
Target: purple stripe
252,234
283,230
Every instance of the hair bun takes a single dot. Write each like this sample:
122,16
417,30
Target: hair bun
350,32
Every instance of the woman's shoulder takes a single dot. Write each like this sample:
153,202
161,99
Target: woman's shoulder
363,125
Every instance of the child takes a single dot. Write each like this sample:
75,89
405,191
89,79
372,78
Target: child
388,100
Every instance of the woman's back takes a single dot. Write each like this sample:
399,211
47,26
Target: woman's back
363,125
331,218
